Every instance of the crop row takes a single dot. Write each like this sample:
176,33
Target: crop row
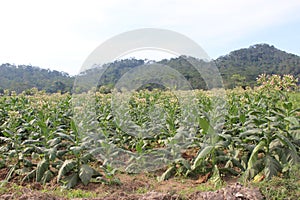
252,133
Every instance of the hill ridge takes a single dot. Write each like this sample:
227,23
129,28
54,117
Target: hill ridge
245,64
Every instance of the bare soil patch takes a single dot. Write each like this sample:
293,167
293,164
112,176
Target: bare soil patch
135,187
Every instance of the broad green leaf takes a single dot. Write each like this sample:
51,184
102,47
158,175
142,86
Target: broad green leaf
249,132
10,172
186,164
204,124
167,174
5,139
288,105
292,120
216,178
202,155
7,133
253,157
28,150
86,157
27,162
272,167
54,141
66,167
30,175
85,174
295,110
71,181
42,167
52,153
294,153
30,142
66,137
76,150
48,175
60,153
271,119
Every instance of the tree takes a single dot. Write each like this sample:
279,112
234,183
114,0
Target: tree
238,80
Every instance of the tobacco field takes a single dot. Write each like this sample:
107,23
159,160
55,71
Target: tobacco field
252,134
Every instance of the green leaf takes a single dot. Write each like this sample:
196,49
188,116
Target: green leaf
66,167
85,174
185,163
76,150
60,153
48,175
42,167
243,118
288,105
28,150
86,157
292,120
5,139
253,157
216,178
167,174
27,162
204,124
52,153
272,167
295,110
250,132
271,119
54,141
202,155
10,172
30,142
30,175
71,181
7,133
293,151
66,137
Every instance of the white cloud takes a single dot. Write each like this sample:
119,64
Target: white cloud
61,34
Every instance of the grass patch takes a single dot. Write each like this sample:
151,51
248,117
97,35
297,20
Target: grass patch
281,188
73,193
203,187
18,191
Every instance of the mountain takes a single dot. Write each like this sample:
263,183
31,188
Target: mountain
23,77
255,60
238,68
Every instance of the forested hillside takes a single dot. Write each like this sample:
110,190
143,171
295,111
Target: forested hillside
23,77
238,68
241,67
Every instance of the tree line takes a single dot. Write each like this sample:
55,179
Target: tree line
238,68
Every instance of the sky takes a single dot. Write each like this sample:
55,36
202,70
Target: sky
60,35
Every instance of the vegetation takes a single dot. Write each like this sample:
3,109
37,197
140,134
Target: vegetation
238,68
282,188
78,135
24,77
252,134
255,60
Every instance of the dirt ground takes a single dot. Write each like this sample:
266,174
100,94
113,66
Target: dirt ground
135,187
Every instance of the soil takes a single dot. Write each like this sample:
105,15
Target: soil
135,187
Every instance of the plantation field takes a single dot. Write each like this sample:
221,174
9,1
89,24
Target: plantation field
195,140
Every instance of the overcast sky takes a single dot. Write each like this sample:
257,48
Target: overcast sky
61,34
